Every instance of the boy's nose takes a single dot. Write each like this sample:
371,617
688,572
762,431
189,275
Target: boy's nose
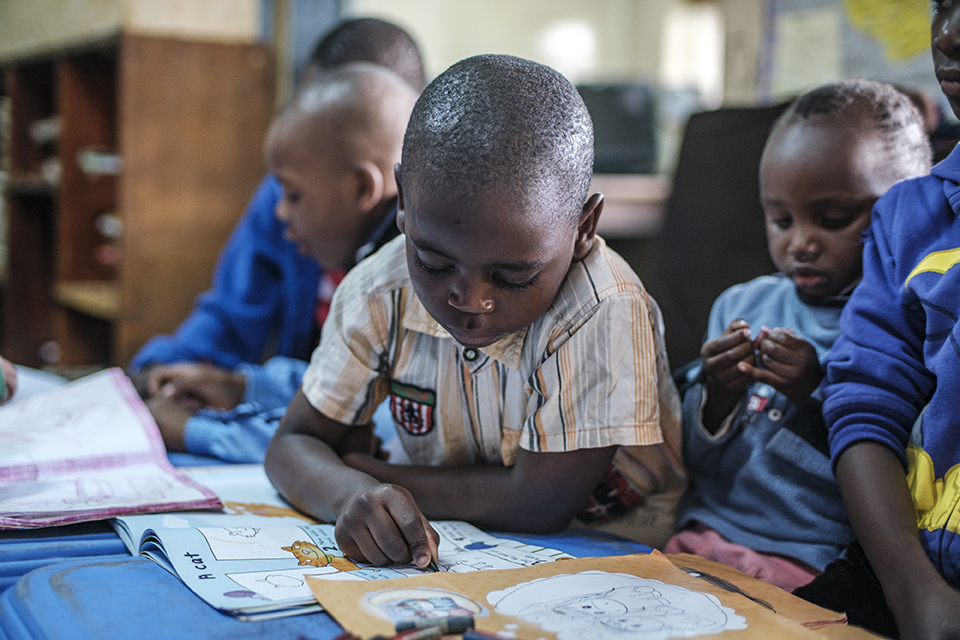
470,297
281,212
804,247
947,38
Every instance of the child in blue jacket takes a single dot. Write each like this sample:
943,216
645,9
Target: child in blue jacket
332,151
265,292
892,389
763,498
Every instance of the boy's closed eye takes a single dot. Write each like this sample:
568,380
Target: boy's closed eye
508,280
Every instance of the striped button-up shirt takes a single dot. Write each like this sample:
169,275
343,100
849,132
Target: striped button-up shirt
591,372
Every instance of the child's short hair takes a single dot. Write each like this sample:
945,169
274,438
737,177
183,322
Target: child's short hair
371,40
891,114
497,122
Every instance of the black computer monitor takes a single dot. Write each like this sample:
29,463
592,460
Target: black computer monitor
624,126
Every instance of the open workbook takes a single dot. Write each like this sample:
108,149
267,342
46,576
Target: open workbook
251,560
87,450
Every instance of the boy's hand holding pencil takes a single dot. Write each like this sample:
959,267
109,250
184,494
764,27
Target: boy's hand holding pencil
383,525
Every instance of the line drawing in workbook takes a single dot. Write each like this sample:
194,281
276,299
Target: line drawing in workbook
614,606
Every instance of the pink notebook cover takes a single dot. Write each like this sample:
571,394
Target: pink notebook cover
88,450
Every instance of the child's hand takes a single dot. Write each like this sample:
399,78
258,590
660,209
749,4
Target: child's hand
722,355
171,417
382,524
9,379
726,383
197,385
790,364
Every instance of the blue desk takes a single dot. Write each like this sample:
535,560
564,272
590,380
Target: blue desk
26,550
117,596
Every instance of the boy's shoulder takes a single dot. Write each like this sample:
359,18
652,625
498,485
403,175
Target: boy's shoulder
380,273
769,299
601,275
757,291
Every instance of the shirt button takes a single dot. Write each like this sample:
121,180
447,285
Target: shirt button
470,355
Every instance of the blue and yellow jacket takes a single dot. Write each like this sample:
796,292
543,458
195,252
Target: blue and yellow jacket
893,376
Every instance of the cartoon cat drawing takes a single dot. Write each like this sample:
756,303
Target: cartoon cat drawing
309,553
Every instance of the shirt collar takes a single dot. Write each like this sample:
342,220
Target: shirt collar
506,350
385,231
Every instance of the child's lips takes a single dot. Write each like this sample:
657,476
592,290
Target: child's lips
949,81
472,338
808,279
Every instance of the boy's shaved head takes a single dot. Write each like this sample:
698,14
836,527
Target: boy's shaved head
891,114
504,124
333,150
371,40
357,111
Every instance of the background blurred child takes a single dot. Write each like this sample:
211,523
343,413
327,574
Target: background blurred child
332,151
762,496
267,297
520,355
893,400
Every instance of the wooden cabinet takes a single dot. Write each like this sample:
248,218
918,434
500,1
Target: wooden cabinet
130,161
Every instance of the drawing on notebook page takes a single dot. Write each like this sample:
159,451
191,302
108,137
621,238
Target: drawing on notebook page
612,606
398,605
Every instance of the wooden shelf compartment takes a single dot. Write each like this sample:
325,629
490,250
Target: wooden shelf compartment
29,185
87,104
33,97
187,119
97,298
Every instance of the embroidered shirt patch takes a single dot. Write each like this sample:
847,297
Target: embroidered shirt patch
412,408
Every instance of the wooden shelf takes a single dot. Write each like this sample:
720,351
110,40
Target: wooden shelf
97,298
188,117
30,184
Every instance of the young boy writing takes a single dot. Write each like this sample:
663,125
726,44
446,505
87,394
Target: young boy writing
892,389
332,151
763,498
520,355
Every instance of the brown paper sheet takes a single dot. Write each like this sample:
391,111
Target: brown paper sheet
567,600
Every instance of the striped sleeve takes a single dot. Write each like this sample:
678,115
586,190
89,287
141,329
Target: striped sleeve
599,388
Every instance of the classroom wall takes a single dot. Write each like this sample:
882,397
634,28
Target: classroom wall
776,49
597,41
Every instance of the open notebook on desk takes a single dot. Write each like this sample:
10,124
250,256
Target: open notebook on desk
251,560
87,450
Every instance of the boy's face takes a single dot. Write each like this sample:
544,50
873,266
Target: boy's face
945,32
483,267
315,204
818,184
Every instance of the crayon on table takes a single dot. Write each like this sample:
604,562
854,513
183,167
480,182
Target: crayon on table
429,633
450,624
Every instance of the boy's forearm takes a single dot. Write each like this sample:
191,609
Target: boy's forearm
307,471
874,488
540,493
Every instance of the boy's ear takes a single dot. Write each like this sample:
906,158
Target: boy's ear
587,227
396,177
370,187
